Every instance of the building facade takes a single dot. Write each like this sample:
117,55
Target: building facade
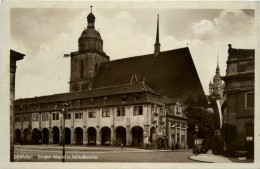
130,101
239,107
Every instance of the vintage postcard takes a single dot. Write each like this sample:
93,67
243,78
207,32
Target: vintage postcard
120,84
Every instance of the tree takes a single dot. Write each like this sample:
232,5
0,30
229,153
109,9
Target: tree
196,110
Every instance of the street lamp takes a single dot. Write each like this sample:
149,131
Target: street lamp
64,112
196,136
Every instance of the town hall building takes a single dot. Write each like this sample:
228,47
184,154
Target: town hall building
136,101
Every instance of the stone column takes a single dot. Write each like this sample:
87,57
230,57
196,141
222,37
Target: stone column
128,136
73,139
112,135
50,136
98,141
84,135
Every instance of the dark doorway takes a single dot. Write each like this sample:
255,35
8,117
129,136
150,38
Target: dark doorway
36,136
106,136
17,135
79,135
56,135
153,136
137,135
26,136
120,135
92,135
45,133
67,136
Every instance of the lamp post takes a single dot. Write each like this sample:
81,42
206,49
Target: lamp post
64,112
196,136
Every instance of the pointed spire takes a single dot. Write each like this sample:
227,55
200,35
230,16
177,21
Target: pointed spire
217,69
91,19
157,44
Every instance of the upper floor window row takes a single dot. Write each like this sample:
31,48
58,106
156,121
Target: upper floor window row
35,117
55,116
138,110
78,115
120,111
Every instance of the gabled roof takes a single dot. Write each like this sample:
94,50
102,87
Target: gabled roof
171,73
106,91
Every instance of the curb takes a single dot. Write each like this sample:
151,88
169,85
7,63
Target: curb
199,160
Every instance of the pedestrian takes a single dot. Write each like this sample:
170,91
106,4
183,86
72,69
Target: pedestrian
122,146
177,146
172,146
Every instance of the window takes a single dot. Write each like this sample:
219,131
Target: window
25,118
106,112
45,117
78,115
136,96
85,87
124,99
182,138
105,99
17,118
172,123
249,97
120,111
178,110
92,113
178,125
138,110
55,116
68,116
81,68
35,117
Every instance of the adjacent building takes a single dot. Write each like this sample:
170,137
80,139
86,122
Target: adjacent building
238,108
136,101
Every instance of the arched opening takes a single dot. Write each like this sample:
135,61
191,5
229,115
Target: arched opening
79,135
67,135
17,136
106,136
45,133
36,136
137,135
92,135
56,135
26,136
81,69
120,135
152,136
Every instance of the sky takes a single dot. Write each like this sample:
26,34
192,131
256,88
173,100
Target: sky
44,35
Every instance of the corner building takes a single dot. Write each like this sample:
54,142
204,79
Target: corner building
135,101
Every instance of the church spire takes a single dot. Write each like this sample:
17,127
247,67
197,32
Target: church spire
157,44
91,19
217,69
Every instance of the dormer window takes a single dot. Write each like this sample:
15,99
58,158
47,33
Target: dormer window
78,103
124,99
92,101
136,96
105,99
55,106
178,109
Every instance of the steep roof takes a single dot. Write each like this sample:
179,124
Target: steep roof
106,91
171,73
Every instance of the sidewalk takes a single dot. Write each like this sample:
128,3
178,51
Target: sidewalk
210,158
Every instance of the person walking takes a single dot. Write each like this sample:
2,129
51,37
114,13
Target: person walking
122,146
177,146
172,146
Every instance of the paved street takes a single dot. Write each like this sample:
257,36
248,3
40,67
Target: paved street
53,153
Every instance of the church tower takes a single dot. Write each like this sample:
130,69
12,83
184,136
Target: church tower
157,44
86,61
217,87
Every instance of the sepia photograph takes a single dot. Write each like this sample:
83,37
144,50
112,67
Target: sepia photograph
130,82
